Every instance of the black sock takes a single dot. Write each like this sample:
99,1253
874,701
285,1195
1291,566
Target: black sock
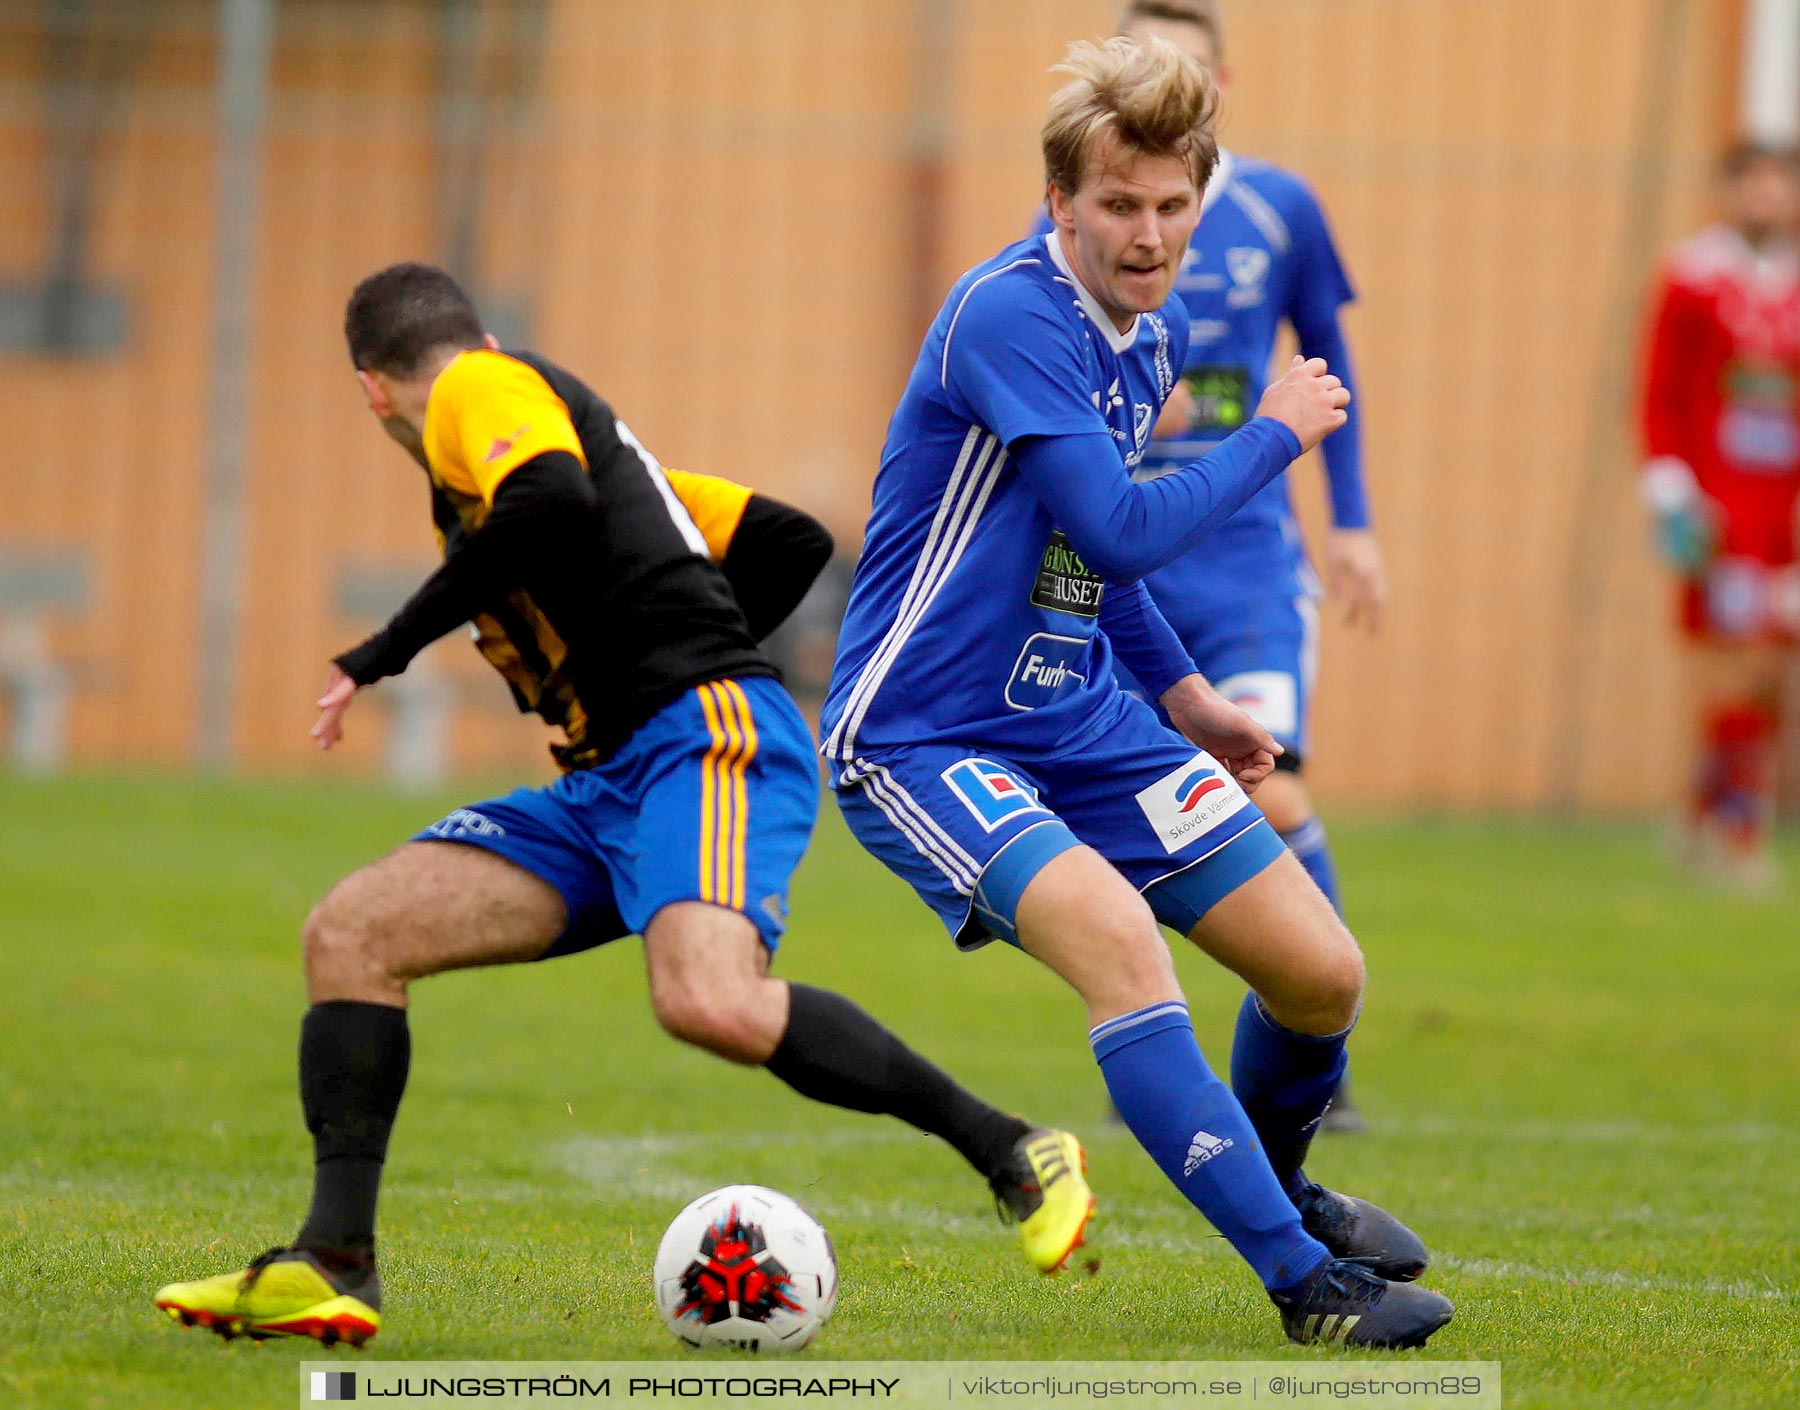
353,1063
834,1052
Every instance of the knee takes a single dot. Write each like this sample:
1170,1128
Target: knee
337,941
1327,998
1139,968
727,1017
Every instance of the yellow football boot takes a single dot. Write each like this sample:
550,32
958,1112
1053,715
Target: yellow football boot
285,1292
1044,1188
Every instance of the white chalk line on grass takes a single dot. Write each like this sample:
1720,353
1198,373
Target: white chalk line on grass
1574,1131
1617,1278
641,1167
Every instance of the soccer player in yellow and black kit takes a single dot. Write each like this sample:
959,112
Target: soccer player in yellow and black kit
689,791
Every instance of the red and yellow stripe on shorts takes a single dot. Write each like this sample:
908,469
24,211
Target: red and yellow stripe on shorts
724,800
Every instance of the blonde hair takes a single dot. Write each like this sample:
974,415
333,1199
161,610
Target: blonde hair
1145,93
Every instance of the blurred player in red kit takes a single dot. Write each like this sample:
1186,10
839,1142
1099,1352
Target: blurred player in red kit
1721,427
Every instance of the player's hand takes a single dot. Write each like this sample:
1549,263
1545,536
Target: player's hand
1686,522
1356,576
339,691
1308,400
1177,413
1222,729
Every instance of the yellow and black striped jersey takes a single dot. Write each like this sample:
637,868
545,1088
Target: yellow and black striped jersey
716,506
619,618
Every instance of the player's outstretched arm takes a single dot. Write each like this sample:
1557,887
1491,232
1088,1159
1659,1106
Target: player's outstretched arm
536,515
1123,530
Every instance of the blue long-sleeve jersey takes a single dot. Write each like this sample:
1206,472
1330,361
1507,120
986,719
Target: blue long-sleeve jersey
1007,531
1261,255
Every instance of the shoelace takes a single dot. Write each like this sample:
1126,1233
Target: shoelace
1352,1278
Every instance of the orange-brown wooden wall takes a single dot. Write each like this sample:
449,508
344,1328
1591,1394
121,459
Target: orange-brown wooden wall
733,219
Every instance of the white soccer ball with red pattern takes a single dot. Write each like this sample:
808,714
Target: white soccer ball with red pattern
746,1267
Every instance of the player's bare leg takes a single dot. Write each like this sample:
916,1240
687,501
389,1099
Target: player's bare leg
426,908
710,984
1088,924
1279,934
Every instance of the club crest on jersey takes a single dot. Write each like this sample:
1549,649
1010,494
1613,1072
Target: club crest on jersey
502,444
992,792
1186,804
1248,266
1142,419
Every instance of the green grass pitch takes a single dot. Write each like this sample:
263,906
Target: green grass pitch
1583,1079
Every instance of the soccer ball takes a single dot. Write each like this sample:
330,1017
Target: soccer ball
746,1267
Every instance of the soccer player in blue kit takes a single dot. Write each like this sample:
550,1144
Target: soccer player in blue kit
1245,603
980,746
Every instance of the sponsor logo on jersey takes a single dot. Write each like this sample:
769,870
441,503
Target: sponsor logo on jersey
1196,786
1064,583
1760,440
1189,802
1248,266
1203,1148
1221,393
1271,698
992,792
1046,669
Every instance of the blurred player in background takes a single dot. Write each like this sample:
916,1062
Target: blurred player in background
980,744
1245,602
689,790
1721,429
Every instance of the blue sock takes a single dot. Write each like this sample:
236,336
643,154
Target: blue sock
1307,842
1194,1129
1285,1081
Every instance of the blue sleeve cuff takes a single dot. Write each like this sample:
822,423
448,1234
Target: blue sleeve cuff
1283,430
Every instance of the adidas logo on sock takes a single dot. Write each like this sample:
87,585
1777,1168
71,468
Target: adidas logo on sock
1203,1148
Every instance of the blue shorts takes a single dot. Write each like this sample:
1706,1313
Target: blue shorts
970,828
1262,655
713,799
